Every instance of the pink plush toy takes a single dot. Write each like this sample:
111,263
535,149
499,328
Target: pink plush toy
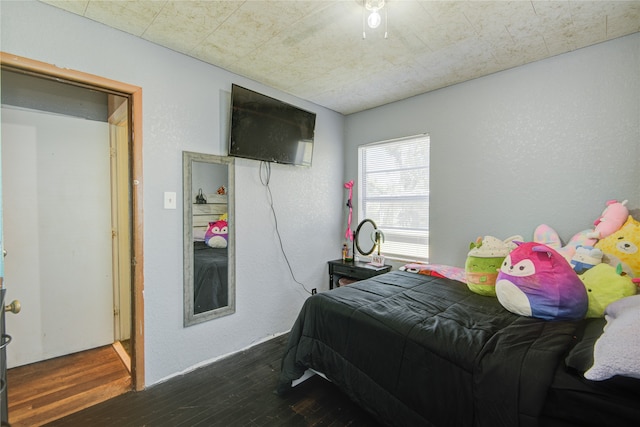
548,236
217,234
536,281
612,218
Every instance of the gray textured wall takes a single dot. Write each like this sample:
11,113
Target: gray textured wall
548,142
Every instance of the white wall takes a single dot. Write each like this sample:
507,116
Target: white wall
184,108
549,142
208,178
56,215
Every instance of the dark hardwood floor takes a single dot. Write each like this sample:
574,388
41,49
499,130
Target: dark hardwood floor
235,391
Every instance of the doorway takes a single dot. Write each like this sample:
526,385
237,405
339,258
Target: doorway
57,222
128,255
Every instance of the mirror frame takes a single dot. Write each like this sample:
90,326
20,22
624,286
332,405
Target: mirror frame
376,242
356,239
188,158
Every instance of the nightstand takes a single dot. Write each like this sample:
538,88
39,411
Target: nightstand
353,269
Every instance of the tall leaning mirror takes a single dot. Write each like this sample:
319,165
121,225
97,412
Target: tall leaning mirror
209,238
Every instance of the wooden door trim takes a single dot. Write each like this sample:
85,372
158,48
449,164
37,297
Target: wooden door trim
134,94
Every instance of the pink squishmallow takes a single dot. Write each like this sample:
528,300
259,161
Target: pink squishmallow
536,281
217,234
611,220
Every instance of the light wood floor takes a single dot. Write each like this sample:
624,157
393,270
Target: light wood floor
42,392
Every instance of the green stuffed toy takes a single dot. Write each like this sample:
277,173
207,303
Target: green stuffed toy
483,262
605,284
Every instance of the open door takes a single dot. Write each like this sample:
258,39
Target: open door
58,234
118,110
130,253
4,339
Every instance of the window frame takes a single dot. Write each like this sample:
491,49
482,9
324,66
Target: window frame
408,244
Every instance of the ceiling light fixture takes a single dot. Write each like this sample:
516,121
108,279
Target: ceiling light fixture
374,19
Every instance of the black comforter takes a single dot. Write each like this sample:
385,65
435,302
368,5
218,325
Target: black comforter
210,277
420,350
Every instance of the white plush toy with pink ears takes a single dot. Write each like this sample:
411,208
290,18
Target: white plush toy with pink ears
611,220
548,236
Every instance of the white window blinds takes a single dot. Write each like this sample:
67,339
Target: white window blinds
393,191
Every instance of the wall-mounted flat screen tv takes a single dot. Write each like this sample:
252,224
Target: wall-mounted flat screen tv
266,129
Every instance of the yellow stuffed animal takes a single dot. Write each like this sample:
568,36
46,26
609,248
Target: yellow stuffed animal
623,247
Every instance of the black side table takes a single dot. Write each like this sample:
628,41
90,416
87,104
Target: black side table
353,269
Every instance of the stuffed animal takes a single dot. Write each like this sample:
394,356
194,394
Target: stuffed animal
605,284
622,246
536,281
585,258
484,260
217,234
612,218
548,236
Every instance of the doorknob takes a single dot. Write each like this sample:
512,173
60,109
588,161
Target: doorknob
14,307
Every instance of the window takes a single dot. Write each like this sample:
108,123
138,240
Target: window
393,179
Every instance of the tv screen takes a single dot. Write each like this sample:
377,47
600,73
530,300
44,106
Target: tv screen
264,128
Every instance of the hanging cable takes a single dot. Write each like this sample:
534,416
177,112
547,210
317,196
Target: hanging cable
265,178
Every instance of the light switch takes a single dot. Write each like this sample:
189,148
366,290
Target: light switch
169,200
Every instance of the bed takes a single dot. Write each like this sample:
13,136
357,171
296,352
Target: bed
416,350
210,264
210,290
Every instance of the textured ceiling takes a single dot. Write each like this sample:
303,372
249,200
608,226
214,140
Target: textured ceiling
315,49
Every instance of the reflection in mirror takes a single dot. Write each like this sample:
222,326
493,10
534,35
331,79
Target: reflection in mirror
209,246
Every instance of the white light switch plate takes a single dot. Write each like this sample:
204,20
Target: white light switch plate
169,200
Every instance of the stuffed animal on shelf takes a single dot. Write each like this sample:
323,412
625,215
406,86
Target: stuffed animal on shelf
483,262
622,246
585,258
536,281
605,284
217,234
612,218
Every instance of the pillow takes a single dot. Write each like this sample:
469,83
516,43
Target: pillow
198,234
617,351
437,270
217,234
536,281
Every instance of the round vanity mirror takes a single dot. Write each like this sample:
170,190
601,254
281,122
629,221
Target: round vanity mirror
368,237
